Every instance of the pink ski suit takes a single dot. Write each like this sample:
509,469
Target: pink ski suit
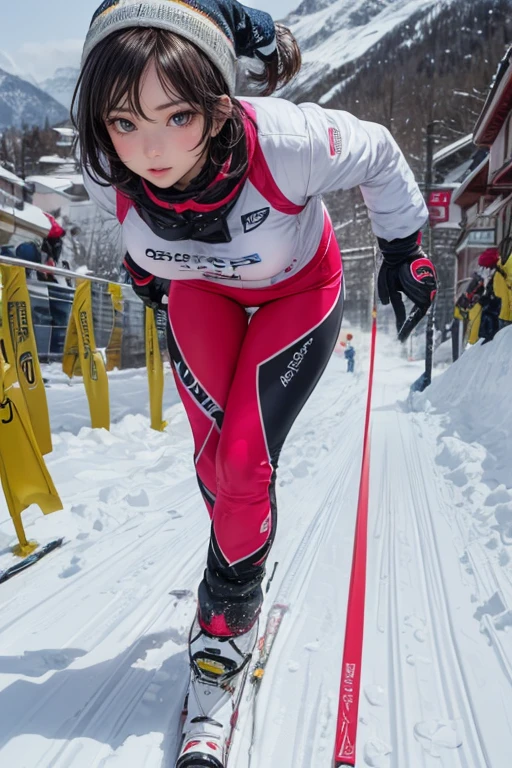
244,376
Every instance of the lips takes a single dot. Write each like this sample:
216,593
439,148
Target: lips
158,170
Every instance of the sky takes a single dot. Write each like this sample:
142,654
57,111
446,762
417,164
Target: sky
37,37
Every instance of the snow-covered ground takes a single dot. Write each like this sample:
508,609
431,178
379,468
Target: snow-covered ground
93,660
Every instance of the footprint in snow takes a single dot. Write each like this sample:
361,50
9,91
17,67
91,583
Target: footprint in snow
377,753
375,694
139,500
72,569
436,735
499,496
457,477
503,514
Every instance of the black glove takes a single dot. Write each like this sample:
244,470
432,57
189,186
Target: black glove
406,270
154,294
154,291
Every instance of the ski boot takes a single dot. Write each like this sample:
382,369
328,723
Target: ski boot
219,667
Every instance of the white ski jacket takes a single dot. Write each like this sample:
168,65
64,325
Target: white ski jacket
301,152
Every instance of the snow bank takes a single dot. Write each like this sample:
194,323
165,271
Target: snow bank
474,450
474,392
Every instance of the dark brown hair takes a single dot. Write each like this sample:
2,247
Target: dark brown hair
281,68
113,74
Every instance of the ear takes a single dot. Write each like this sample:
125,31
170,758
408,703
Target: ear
224,110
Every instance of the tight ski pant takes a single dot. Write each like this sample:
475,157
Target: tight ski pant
243,379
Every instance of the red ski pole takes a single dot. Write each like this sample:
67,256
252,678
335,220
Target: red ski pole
346,730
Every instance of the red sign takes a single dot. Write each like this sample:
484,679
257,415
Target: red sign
439,206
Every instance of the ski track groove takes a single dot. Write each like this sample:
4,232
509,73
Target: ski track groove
450,670
110,693
93,573
119,691
398,692
133,557
314,535
345,459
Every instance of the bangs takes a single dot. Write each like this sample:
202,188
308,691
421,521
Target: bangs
123,82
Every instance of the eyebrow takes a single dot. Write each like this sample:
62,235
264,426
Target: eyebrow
161,108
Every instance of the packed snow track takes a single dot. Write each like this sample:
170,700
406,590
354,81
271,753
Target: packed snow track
93,664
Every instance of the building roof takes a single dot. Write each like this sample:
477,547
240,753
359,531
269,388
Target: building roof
66,132
5,174
56,160
473,185
28,222
497,205
57,183
497,105
452,148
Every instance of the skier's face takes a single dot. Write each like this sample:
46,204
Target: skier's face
166,147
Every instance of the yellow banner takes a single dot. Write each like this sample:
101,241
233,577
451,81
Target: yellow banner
20,348
155,372
502,286
71,354
81,345
113,351
25,478
474,317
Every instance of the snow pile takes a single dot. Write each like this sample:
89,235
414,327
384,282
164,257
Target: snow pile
473,393
470,405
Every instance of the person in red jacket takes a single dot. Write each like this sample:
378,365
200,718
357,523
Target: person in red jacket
52,248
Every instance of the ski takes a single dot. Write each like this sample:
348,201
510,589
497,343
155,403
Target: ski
266,643
30,560
197,752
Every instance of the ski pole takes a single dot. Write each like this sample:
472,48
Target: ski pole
423,381
348,706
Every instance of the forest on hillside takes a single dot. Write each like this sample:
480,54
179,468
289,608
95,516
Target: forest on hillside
435,67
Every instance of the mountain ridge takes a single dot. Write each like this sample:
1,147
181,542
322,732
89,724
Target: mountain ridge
22,103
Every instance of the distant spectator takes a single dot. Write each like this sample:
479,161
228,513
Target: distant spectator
486,305
27,251
490,303
52,247
350,354
502,287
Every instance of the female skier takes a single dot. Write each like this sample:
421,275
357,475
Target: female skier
223,197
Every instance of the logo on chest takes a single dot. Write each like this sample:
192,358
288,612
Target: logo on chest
254,219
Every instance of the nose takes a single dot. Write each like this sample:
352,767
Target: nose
153,147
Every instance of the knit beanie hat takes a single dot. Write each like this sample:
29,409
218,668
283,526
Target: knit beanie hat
223,29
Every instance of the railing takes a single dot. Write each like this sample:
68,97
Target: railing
51,307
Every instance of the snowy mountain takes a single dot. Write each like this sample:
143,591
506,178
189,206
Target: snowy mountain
8,65
61,85
332,33
22,103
